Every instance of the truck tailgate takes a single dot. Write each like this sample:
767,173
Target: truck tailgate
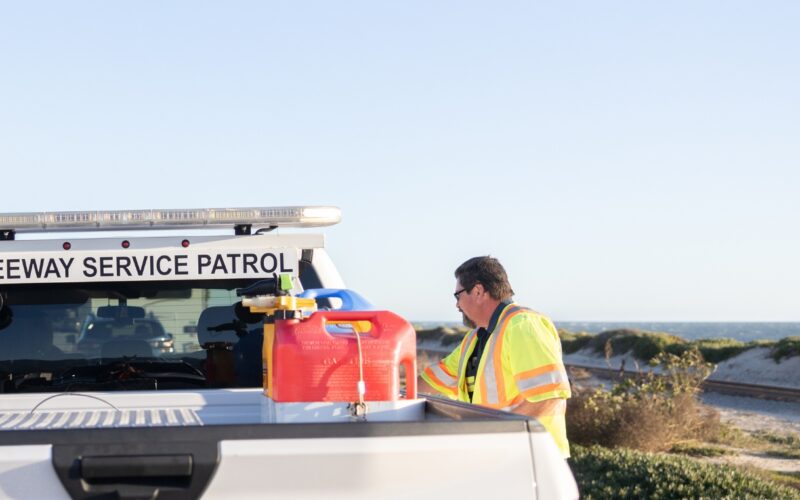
455,449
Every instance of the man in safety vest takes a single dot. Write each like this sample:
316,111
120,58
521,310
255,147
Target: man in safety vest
510,360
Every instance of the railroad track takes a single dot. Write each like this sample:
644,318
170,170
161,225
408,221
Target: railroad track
774,393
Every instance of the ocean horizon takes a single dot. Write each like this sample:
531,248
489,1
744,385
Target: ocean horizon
689,330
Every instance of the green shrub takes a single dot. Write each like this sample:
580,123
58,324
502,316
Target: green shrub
788,454
730,435
778,445
650,346
677,348
786,348
699,450
788,478
718,350
621,473
615,341
789,440
573,342
445,336
644,345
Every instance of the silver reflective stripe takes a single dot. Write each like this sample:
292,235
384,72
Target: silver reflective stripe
92,419
462,361
511,310
489,374
555,377
443,376
489,370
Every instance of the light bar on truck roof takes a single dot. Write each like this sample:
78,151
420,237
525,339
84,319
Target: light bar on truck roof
193,218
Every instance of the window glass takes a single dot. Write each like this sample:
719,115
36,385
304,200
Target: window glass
125,336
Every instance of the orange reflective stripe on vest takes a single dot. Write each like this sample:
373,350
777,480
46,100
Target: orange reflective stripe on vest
439,372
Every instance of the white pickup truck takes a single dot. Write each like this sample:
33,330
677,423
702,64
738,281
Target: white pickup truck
129,370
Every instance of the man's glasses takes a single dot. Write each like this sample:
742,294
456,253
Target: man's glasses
459,293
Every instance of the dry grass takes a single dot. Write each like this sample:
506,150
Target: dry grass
649,413
647,423
577,373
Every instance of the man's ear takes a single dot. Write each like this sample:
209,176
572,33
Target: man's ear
479,288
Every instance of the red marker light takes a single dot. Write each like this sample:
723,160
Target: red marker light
126,244
67,245
185,243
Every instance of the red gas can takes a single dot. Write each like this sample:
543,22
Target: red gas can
314,361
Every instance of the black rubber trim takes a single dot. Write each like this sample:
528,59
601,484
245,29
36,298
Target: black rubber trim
443,418
306,271
136,466
258,431
243,229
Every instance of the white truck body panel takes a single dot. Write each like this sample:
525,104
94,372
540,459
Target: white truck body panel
382,467
478,466
27,472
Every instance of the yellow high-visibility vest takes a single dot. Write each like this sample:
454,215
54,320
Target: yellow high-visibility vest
521,361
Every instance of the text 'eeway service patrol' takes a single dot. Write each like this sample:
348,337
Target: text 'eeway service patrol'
150,266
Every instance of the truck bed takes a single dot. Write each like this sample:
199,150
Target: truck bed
237,444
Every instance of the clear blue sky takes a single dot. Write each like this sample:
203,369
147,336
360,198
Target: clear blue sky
624,160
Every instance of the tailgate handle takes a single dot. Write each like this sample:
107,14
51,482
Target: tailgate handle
136,467
137,464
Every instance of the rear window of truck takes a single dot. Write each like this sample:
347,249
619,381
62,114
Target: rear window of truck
128,336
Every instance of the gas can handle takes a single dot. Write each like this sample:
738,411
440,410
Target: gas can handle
411,378
351,301
379,321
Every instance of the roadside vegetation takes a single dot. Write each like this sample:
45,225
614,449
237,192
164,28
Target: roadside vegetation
650,437
647,345
444,335
653,412
623,473
643,344
786,348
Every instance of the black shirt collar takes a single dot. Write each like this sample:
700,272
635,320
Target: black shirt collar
483,337
496,315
